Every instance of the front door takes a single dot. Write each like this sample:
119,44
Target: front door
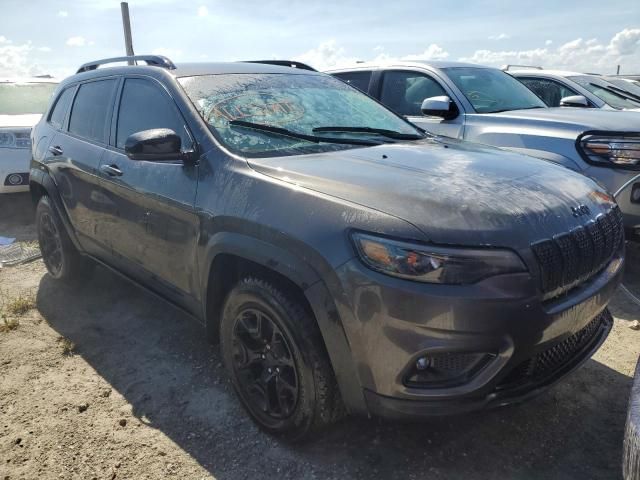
403,91
152,225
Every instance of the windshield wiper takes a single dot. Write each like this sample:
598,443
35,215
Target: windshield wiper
379,131
512,109
619,92
290,133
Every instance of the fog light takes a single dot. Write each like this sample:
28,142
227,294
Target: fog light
445,369
15,179
635,193
423,363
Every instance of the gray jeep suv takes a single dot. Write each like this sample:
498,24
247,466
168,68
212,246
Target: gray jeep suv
344,259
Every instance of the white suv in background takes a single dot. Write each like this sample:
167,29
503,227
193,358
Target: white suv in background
486,105
22,102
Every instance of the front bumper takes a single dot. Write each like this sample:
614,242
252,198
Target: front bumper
14,170
391,323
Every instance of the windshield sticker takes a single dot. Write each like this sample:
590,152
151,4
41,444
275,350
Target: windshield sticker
259,107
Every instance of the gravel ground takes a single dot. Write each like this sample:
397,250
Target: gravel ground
105,381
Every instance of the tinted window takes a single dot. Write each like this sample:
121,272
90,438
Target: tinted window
404,92
299,103
144,106
490,90
60,110
360,80
549,91
89,115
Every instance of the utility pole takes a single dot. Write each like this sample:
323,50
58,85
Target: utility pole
126,25
618,71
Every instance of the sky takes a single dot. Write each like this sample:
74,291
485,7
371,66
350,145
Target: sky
56,37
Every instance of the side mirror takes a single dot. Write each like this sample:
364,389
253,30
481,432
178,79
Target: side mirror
574,101
441,106
158,144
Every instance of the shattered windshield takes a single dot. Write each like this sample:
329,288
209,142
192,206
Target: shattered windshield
290,114
490,90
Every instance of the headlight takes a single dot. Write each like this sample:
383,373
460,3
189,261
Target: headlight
424,263
613,151
15,138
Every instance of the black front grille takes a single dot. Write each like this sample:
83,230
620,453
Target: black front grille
549,361
572,258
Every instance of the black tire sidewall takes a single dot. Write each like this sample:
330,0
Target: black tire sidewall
254,296
44,206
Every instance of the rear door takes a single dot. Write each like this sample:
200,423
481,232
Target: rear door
152,225
403,91
74,155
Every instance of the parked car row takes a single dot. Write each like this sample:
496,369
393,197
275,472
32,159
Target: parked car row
486,105
346,260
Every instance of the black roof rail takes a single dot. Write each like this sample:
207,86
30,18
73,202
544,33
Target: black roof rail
153,60
284,63
534,67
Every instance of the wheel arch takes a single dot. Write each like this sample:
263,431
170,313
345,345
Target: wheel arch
231,256
40,184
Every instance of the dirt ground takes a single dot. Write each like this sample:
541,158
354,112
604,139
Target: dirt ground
105,381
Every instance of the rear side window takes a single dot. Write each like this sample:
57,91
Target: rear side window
404,92
56,119
144,106
89,115
549,91
360,80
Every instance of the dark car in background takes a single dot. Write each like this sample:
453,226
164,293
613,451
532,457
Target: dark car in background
344,259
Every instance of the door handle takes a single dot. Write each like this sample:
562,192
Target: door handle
56,150
111,170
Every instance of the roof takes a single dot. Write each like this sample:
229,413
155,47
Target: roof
407,63
191,69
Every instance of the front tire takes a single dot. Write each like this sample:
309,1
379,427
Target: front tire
61,258
274,353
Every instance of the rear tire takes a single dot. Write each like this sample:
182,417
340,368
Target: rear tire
62,259
276,358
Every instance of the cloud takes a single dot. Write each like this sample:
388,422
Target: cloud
76,41
326,55
330,55
14,60
501,36
432,52
580,55
63,13
548,42
44,49
203,11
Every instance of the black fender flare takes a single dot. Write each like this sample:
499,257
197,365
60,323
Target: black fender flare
314,287
46,183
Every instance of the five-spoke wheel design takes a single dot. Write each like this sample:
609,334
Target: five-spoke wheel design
264,365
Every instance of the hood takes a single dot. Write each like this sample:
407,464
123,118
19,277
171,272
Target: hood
26,120
454,192
574,120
